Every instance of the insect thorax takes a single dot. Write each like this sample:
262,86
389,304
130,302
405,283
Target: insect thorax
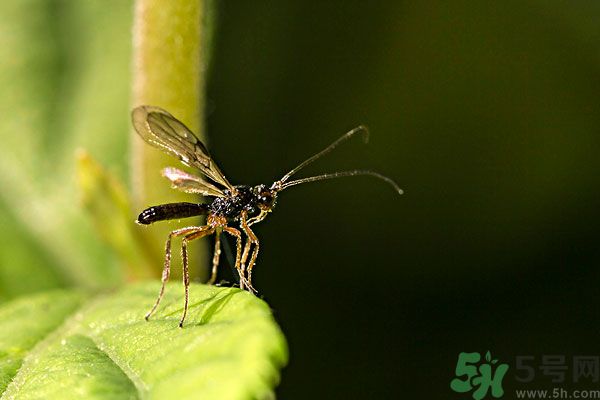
231,207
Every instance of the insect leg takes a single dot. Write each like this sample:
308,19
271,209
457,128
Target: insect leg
252,263
238,237
248,245
200,232
252,239
216,254
167,268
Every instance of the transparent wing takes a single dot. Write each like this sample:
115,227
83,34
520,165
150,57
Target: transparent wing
162,130
189,183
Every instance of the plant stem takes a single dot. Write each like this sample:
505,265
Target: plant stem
169,72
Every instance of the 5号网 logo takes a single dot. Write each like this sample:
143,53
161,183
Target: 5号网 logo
479,376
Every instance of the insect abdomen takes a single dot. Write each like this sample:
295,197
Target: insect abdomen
171,211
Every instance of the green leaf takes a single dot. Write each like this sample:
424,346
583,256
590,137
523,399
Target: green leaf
26,321
229,348
65,85
25,265
105,198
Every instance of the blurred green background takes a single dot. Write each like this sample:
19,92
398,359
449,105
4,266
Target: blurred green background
487,114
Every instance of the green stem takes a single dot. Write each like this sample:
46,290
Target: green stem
169,72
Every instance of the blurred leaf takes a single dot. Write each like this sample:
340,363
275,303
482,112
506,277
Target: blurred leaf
25,265
65,81
229,348
107,202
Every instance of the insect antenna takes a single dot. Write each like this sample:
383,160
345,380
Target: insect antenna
283,182
328,149
340,174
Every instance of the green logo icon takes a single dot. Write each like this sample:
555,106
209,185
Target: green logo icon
481,375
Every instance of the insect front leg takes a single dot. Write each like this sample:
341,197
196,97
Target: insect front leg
238,236
252,240
167,267
245,227
253,262
216,255
201,232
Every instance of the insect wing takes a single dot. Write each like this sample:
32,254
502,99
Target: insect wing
162,130
189,183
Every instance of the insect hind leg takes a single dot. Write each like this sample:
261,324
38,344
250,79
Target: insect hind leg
167,266
201,232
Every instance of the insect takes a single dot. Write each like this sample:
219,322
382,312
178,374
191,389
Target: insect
240,204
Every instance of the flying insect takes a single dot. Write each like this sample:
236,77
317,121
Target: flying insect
239,205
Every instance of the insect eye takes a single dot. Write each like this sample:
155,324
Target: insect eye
266,197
